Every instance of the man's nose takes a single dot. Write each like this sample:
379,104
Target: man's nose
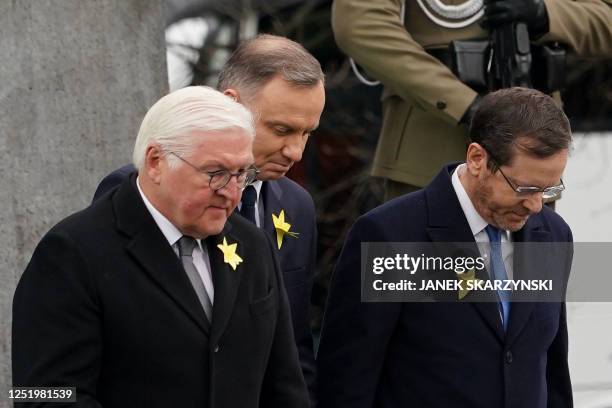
533,203
294,147
231,189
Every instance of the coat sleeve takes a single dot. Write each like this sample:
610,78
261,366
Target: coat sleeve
371,32
57,336
304,337
283,383
557,368
355,334
584,25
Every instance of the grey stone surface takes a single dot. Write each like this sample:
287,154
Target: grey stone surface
77,77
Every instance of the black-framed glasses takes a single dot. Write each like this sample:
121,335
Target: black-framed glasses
219,179
548,192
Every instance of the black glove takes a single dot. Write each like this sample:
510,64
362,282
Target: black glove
532,12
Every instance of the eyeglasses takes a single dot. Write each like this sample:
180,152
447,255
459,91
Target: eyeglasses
548,192
219,179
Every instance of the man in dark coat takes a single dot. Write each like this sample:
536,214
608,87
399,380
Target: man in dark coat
503,354
157,295
283,85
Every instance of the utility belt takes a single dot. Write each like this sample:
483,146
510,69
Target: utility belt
471,62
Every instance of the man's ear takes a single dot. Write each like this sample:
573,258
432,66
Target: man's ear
476,159
154,163
232,93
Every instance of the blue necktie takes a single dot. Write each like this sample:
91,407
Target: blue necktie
247,208
498,271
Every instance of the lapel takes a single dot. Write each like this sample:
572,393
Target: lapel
225,279
447,223
532,231
272,195
151,250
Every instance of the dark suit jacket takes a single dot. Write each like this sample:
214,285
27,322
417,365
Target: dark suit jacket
297,256
104,305
439,355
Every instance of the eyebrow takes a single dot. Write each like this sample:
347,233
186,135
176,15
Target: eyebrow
289,126
215,163
534,185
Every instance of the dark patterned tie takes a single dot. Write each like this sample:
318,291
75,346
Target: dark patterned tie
186,245
247,209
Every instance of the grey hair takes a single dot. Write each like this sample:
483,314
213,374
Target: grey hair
257,61
172,120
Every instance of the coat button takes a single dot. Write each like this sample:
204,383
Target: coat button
441,105
509,357
216,349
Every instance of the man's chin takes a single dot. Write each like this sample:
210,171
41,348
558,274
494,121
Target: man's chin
513,225
266,174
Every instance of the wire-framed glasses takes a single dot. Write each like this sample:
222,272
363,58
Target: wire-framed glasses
219,179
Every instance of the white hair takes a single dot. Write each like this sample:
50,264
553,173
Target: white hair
171,121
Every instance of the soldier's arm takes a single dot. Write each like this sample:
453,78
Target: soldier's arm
372,33
584,25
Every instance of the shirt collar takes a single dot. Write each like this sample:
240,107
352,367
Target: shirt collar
475,221
171,233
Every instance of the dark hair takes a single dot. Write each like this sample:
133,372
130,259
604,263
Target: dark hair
257,61
521,118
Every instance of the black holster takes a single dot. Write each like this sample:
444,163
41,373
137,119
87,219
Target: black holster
471,62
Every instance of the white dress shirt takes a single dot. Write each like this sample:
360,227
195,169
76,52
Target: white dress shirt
478,224
201,260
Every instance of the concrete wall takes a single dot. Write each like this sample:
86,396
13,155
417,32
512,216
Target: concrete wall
76,78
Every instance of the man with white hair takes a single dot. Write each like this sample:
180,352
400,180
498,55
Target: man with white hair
283,85
157,295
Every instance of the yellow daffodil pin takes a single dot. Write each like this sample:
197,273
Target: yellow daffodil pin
463,278
229,254
282,227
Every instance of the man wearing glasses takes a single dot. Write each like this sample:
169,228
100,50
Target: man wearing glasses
283,85
462,354
158,295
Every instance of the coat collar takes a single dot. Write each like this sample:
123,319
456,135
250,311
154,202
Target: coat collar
148,246
447,223
272,196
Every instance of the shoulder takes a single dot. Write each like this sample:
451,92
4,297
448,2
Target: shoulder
293,193
557,226
290,186
96,220
399,219
408,206
114,179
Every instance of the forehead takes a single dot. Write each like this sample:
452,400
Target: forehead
279,100
530,170
230,147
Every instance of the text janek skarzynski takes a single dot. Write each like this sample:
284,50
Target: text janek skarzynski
464,267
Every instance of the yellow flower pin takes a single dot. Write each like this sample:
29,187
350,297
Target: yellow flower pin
282,227
469,275
229,254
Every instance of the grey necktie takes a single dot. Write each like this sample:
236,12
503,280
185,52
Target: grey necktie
185,246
